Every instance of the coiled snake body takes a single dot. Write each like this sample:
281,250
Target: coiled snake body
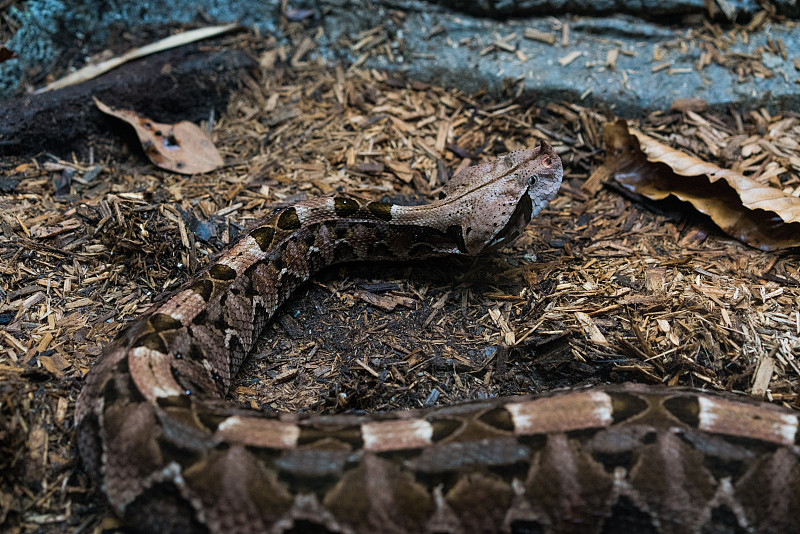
172,456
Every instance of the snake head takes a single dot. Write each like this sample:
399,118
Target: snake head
542,169
493,202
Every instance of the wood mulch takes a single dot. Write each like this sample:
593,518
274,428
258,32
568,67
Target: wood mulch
601,287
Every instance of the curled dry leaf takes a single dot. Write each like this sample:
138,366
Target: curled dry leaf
182,147
761,216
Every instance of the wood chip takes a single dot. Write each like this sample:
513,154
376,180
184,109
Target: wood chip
537,35
569,58
763,376
611,58
590,328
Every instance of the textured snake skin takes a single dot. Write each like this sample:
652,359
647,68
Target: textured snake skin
172,456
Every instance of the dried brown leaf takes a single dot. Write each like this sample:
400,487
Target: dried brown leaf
761,216
182,147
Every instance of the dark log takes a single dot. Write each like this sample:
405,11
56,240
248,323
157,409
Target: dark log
184,83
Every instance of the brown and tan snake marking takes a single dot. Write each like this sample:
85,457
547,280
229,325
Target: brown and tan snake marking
173,456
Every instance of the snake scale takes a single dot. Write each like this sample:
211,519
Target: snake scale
171,455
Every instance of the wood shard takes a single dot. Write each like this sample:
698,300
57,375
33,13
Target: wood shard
538,35
763,376
569,58
590,328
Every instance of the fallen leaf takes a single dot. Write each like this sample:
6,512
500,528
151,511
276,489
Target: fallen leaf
761,216
182,147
